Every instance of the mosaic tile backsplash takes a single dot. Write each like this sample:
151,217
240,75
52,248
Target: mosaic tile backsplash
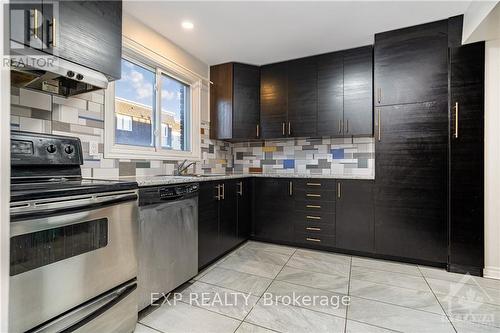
83,116
323,156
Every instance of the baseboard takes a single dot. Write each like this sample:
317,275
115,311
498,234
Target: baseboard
492,272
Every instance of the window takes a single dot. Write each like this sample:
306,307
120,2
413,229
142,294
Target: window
153,111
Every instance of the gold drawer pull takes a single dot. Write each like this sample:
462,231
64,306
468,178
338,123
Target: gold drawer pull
313,184
313,206
313,239
313,228
313,195
313,217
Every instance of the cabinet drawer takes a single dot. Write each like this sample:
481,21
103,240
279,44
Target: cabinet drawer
315,184
315,207
313,195
315,228
314,239
319,217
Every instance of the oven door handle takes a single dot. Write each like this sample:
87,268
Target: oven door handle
41,209
84,314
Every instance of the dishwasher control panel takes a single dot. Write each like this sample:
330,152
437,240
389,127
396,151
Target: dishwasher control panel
156,194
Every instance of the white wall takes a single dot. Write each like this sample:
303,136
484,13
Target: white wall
4,179
149,38
492,160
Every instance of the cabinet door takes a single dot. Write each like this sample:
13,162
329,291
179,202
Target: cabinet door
358,92
273,100
208,223
90,34
467,159
246,101
302,97
411,64
411,181
26,23
228,216
354,215
244,188
330,94
273,211
221,101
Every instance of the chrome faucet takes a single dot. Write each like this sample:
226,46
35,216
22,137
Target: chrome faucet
182,168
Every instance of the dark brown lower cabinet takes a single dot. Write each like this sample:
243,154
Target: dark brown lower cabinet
466,218
273,210
218,224
244,204
410,195
354,215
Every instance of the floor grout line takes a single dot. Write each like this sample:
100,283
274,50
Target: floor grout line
154,329
349,294
437,299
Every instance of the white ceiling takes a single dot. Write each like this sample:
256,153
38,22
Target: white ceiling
265,32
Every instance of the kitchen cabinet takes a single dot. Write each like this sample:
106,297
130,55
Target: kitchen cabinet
273,210
411,64
274,100
314,216
410,194
88,33
466,215
330,94
358,92
244,206
234,102
302,97
220,227
354,218
208,223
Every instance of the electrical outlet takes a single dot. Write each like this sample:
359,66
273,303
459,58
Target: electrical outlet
93,148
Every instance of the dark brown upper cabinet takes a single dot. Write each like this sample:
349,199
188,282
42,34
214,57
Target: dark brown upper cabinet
302,97
358,92
274,100
411,64
345,93
330,94
234,102
88,33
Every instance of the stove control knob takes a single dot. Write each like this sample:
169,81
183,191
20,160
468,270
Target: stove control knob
69,150
51,149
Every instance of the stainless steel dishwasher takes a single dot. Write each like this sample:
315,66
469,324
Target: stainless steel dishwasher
168,239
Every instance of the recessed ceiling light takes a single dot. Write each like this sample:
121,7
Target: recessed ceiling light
187,25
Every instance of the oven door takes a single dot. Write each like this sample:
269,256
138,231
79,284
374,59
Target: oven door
66,251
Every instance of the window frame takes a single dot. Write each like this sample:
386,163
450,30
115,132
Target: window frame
142,56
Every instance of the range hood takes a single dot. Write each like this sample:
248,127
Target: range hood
37,70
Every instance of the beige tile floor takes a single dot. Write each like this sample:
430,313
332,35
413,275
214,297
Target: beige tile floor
382,296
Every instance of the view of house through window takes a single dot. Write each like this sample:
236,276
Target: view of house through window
136,110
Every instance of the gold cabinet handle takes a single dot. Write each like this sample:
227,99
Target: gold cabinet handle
313,228
379,95
347,126
290,188
35,23
456,120
53,32
240,188
313,206
313,195
339,190
223,192
313,184
283,124
258,130
289,128
379,125
313,240
313,217
340,126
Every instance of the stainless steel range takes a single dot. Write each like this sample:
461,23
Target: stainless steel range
73,257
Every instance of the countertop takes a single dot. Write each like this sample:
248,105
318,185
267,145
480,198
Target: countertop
144,181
